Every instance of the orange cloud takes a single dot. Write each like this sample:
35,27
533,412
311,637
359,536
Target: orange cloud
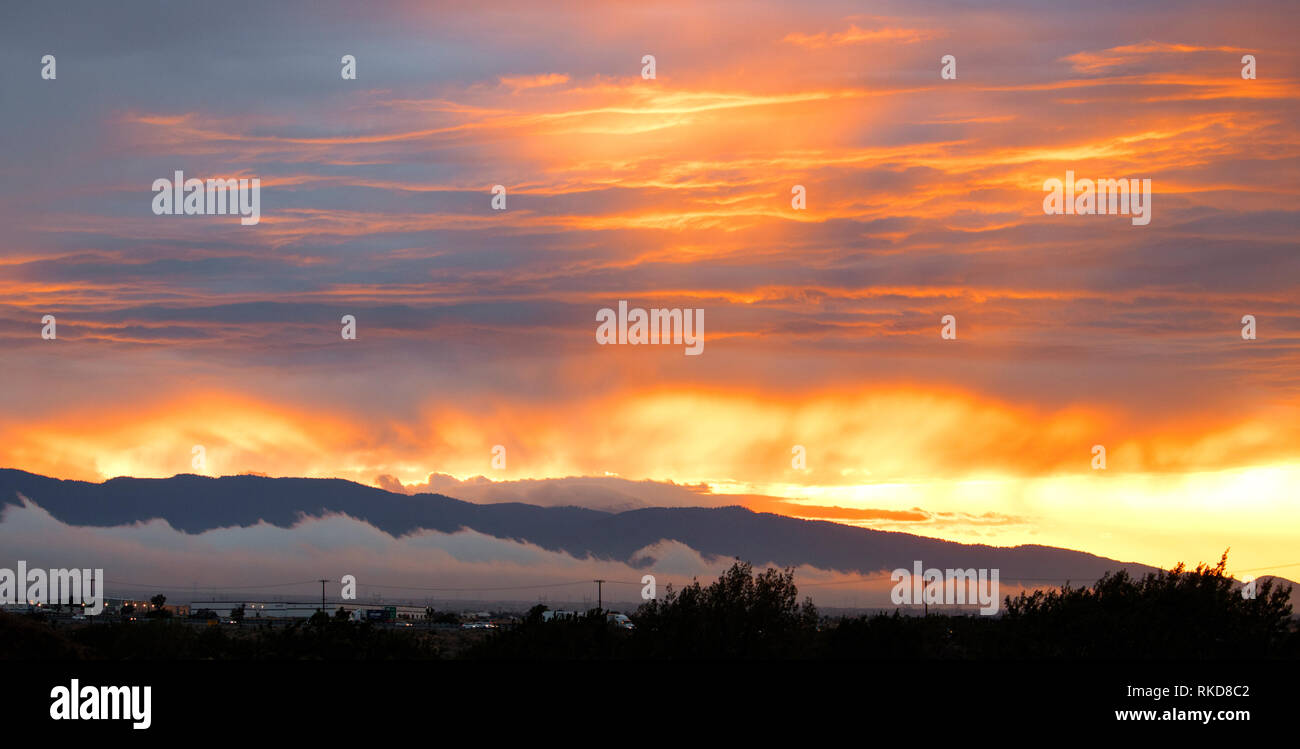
855,35
1127,54
873,456
542,80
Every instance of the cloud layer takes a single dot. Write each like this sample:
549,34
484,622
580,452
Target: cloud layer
476,326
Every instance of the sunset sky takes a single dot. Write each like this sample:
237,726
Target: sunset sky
822,326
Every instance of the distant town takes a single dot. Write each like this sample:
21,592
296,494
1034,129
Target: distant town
469,615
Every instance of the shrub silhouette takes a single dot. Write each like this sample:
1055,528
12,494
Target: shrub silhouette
1180,613
1169,614
584,637
1197,614
740,615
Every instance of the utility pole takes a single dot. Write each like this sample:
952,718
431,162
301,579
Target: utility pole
599,600
322,594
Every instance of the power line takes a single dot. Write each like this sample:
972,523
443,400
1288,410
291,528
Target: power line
1270,567
210,587
480,587
539,586
369,585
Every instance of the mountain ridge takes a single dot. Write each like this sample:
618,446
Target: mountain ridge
730,531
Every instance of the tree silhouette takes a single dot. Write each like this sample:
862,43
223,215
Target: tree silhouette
740,615
1179,613
1169,614
158,612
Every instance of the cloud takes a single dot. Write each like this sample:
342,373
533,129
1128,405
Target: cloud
475,326
1129,54
439,569
854,35
542,80
606,493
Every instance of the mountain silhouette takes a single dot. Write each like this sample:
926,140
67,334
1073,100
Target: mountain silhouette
193,504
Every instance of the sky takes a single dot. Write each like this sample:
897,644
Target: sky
476,327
